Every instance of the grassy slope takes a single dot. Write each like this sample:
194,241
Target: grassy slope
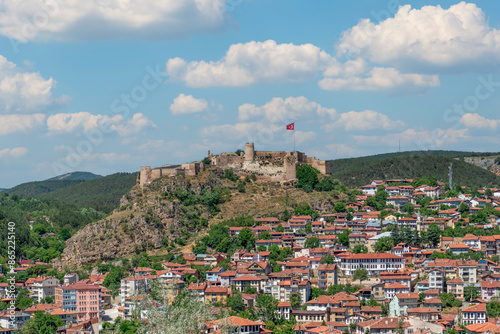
103,194
416,167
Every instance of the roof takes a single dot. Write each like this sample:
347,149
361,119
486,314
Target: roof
475,308
422,310
370,256
81,286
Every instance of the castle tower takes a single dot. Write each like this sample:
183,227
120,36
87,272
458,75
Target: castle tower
249,152
145,175
290,165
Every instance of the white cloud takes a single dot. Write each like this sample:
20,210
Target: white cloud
416,139
430,38
364,120
110,19
137,124
108,158
379,79
238,131
22,91
337,150
479,122
17,152
245,64
284,110
85,121
20,123
187,104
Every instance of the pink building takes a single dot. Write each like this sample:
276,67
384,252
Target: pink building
81,298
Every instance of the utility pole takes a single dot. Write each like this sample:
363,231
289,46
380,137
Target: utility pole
450,175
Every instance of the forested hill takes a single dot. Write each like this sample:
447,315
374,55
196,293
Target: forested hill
102,194
365,170
348,164
86,176
31,189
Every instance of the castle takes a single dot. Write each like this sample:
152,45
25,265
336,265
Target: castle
273,165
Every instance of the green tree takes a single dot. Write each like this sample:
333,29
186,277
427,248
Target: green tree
307,177
448,300
328,259
408,207
308,228
286,215
235,302
434,234
265,235
360,249
339,207
470,293
344,238
295,300
247,238
266,308
360,274
42,323
312,242
280,228
384,244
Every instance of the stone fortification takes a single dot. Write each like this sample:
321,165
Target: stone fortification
273,165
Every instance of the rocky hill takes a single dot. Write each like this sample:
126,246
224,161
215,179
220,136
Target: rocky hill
175,211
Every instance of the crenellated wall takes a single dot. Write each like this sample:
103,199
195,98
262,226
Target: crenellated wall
274,165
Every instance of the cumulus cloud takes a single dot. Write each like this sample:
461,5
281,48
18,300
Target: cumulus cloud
17,152
416,139
29,20
18,123
364,120
479,122
22,91
85,121
136,124
429,38
187,104
284,110
248,63
380,79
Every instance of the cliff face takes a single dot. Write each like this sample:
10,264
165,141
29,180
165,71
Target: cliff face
179,208
489,163
148,219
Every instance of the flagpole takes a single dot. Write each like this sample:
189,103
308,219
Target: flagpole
294,139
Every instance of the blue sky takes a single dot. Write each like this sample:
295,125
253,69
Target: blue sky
107,86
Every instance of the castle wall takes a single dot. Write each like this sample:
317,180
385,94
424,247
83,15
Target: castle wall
275,165
228,160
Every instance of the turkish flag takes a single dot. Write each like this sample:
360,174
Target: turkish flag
290,126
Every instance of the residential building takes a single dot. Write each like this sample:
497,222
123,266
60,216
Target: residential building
81,298
474,314
375,263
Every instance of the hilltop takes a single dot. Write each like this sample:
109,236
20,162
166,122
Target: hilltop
102,194
348,164
86,176
31,189
172,212
356,172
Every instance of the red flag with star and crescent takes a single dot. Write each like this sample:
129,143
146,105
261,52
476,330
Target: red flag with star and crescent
290,126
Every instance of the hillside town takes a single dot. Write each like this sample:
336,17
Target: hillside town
398,259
